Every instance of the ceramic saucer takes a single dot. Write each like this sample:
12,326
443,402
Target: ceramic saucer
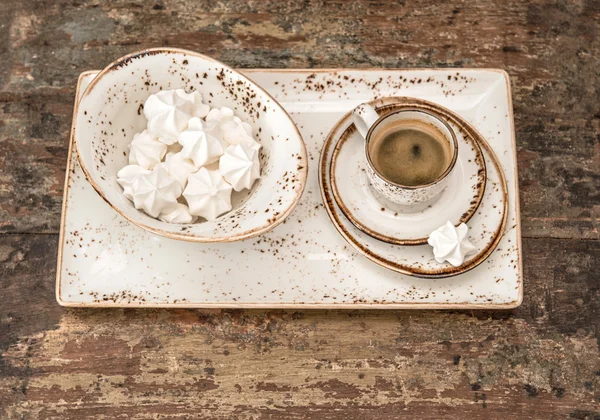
393,223
485,227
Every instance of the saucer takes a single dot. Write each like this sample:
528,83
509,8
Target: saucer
485,227
382,219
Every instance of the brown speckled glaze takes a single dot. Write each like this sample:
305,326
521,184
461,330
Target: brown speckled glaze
105,261
111,112
473,182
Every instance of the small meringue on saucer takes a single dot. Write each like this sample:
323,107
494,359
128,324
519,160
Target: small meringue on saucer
145,150
207,194
127,175
168,112
156,192
240,166
451,244
198,145
179,167
181,214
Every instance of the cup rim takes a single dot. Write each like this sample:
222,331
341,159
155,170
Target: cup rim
412,187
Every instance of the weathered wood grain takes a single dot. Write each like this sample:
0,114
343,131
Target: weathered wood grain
551,50
539,361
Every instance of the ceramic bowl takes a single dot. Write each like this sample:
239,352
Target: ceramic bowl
110,113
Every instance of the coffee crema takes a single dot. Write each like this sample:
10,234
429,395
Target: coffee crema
410,153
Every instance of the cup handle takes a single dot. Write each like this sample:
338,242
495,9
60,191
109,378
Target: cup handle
363,117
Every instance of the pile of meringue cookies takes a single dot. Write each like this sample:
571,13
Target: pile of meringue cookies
189,159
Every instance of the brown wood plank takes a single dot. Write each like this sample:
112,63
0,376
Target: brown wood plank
551,51
538,361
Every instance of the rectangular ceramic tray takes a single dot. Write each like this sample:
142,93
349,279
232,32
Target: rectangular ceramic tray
104,261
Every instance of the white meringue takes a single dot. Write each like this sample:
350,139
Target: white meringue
198,145
145,150
451,244
212,122
235,131
156,192
168,112
192,149
181,214
179,167
194,98
216,114
231,128
240,166
127,175
207,194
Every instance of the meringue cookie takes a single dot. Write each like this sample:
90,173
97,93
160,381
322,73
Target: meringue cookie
145,150
168,112
240,166
231,128
179,167
198,145
235,131
127,175
156,192
216,114
181,214
451,244
194,98
212,123
207,194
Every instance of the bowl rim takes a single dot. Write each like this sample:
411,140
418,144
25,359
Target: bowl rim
255,231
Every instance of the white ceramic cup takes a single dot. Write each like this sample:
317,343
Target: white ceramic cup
369,124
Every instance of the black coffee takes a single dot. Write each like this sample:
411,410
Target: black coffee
410,153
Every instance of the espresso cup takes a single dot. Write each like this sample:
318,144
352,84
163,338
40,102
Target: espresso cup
410,154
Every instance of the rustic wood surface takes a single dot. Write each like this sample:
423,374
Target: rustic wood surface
539,361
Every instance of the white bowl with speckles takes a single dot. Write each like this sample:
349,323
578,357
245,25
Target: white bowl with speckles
110,113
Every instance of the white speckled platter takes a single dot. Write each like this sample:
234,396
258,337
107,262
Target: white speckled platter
104,261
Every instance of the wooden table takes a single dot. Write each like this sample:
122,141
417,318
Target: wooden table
538,361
